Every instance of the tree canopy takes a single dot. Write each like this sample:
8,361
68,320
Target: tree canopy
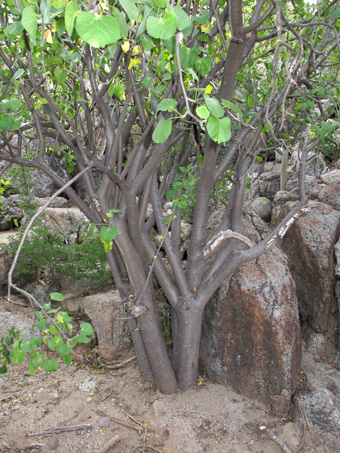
156,102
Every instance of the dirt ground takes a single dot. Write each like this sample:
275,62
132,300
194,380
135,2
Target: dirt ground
117,402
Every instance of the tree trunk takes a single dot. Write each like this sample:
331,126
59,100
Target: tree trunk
186,346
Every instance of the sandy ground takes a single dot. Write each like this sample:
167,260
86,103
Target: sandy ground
209,418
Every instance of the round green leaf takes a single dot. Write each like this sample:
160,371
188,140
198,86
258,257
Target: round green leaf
183,20
70,12
166,105
50,365
29,21
67,359
214,106
86,328
108,233
57,297
130,8
163,27
219,129
203,112
98,31
18,356
162,131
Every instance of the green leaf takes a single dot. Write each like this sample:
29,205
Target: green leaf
219,129
188,57
63,349
183,20
15,28
36,361
203,112
231,106
83,339
29,21
70,15
11,104
18,356
122,23
60,75
130,8
203,65
50,365
98,31
86,329
58,297
163,27
52,345
18,74
25,346
108,233
67,359
162,131
203,18
147,43
167,105
214,106
42,324
3,369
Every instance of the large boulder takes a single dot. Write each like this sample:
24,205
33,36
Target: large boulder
106,313
309,245
251,332
330,195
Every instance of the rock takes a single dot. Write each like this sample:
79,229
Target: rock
269,184
337,258
58,202
89,385
332,177
107,318
309,245
251,332
322,415
330,195
263,208
19,322
104,422
315,165
10,212
53,443
67,221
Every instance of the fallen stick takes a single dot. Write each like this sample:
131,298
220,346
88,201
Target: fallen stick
132,418
109,445
120,365
60,429
120,422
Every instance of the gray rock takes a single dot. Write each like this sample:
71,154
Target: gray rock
263,208
10,212
269,184
107,318
58,202
309,245
19,322
322,415
332,177
315,166
330,195
337,258
251,332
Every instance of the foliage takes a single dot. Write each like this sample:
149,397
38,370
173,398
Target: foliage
78,257
55,329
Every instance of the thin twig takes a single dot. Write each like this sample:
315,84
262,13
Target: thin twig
119,365
120,422
107,447
132,418
59,429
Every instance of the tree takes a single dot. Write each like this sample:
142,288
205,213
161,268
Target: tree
142,99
